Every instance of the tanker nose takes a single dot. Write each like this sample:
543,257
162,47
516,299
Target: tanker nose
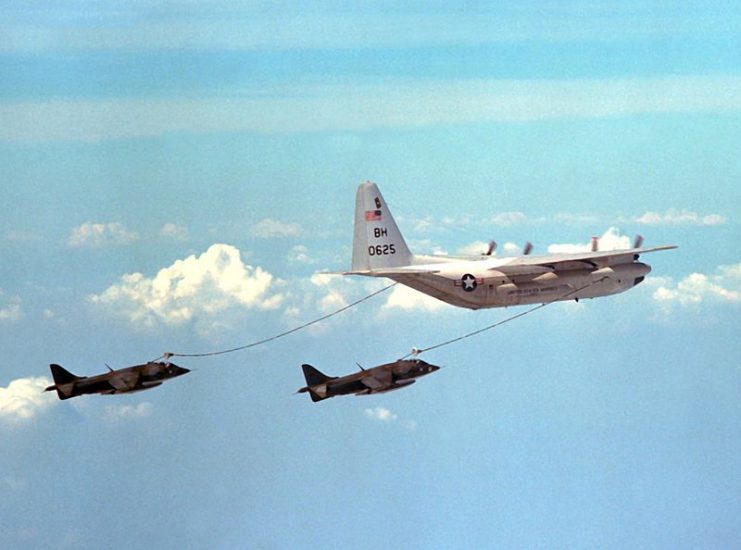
646,271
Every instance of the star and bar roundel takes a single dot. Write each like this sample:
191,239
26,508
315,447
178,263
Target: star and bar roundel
468,282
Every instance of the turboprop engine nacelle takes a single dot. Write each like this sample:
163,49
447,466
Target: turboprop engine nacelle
619,274
573,283
624,272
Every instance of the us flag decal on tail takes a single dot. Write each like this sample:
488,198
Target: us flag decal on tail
373,215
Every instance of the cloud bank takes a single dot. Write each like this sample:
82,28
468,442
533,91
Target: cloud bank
24,398
508,219
385,416
672,216
117,413
356,106
197,286
174,231
610,240
272,229
679,217
10,308
381,414
407,299
97,235
724,286
234,26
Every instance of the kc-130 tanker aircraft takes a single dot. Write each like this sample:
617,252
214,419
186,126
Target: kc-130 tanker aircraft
485,281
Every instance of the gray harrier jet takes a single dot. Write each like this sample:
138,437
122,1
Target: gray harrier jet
383,378
127,380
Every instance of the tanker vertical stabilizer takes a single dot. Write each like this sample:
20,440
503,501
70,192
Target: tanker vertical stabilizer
377,241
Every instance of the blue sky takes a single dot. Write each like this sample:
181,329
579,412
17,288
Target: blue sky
174,176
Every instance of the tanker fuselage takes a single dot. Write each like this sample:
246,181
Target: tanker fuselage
479,289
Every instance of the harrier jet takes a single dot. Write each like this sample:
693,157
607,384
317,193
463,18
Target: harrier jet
384,378
130,379
485,281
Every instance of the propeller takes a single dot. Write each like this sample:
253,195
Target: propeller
638,242
492,248
595,244
528,248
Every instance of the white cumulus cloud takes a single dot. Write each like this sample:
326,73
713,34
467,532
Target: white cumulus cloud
320,294
174,231
10,308
381,414
610,240
476,248
11,311
426,246
385,416
116,413
422,225
325,279
332,301
511,248
567,218
300,254
97,235
407,299
197,286
328,292
25,398
272,229
506,219
724,286
680,217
